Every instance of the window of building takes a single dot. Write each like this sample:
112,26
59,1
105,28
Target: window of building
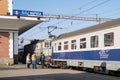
82,43
73,44
94,41
109,39
66,45
59,46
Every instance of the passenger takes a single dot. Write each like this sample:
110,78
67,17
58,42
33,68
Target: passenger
28,60
37,58
49,61
49,58
42,60
34,61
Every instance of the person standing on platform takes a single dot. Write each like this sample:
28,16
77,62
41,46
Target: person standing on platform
34,61
28,60
49,61
42,60
37,58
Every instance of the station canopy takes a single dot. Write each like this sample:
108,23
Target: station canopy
18,23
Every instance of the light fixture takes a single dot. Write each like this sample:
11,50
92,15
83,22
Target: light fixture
38,18
18,17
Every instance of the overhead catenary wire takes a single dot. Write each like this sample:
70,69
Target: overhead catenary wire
32,33
86,9
84,5
112,12
83,10
93,7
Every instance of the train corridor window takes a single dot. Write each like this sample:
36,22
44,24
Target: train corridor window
94,41
59,46
73,44
37,47
109,39
46,44
82,43
50,44
55,47
66,45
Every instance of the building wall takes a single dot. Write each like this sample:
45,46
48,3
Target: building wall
8,49
5,6
4,48
4,44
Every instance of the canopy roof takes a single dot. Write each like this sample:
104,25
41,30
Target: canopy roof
18,23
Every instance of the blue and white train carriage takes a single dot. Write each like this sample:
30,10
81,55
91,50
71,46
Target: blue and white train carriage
96,47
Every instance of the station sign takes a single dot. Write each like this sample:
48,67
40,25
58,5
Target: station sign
26,13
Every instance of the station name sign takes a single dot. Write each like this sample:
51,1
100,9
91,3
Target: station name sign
27,13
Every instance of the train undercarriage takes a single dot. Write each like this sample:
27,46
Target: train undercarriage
95,69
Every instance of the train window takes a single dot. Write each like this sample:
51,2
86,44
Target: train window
59,46
94,41
82,43
73,44
50,44
54,47
46,44
66,45
37,47
109,39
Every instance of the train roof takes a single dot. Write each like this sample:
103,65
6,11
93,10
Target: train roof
106,25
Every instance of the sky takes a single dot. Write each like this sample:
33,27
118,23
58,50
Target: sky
83,8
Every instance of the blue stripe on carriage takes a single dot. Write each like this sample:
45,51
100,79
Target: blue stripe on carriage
111,55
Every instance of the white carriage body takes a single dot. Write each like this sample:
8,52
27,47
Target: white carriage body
104,54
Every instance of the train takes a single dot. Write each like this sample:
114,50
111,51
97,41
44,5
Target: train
37,47
95,48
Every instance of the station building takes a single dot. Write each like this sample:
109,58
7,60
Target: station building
10,28
5,7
